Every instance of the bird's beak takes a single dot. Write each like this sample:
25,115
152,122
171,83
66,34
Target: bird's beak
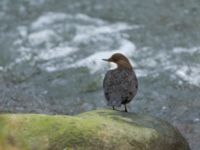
105,59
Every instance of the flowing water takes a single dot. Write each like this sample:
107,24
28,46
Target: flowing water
51,51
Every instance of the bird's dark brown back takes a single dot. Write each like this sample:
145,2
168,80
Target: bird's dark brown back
120,86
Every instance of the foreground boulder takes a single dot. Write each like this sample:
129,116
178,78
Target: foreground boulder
95,130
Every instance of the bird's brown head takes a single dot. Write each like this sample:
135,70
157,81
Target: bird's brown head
121,60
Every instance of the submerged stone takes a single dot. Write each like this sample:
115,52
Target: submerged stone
94,130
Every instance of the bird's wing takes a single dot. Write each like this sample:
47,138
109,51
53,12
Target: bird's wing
107,83
118,84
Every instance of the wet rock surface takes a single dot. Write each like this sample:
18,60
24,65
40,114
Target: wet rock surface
94,130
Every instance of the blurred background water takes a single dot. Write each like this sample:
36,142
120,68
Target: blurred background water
51,51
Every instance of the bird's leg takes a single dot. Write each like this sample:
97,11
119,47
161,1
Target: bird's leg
125,108
113,107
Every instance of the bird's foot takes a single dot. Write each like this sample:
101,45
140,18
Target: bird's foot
125,108
113,107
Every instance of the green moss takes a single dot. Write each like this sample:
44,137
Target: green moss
100,129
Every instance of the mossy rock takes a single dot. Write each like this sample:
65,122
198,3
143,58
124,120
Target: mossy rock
95,130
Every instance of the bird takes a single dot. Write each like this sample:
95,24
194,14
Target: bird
120,85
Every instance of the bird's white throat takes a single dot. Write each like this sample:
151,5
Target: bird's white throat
112,65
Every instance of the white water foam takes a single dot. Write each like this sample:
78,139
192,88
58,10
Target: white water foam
94,61
44,36
47,43
190,74
1,68
57,52
85,31
48,19
89,19
186,50
155,62
101,40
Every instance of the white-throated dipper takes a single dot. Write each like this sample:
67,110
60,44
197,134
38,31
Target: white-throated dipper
120,85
